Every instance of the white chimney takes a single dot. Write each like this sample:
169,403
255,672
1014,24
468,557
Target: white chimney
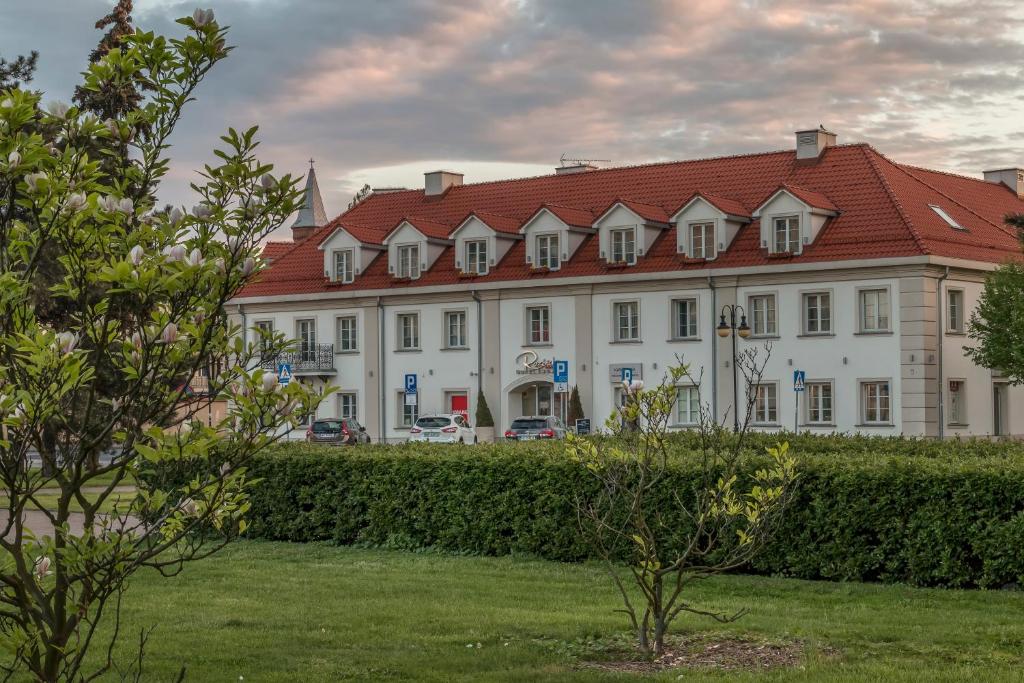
574,168
811,143
438,182
1013,178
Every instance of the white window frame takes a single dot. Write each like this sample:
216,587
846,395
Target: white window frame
463,333
400,329
344,272
961,402
867,418
752,315
863,294
548,243
792,233
406,415
267,326
475,260
622,245
770,403
353,399
957,325
544,319
709,247
353,345
814,406
306,348
408,261
687,409
805,299
632,329
692,331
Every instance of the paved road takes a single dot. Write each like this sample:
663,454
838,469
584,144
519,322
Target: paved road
40,525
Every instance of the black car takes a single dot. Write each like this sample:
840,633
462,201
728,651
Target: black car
539,427
336,431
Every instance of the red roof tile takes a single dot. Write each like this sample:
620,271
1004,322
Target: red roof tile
273,250
495,222
427,227
649,212
883,212
723,204
364,234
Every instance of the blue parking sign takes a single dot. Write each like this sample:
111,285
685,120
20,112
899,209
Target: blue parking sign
410,383
560,370
627,375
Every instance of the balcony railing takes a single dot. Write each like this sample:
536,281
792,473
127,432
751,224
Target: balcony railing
306,359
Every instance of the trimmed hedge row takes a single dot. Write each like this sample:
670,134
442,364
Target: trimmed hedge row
942,518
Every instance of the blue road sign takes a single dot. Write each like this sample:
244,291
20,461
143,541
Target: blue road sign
410,383
560,370
799,377
627,375
284,373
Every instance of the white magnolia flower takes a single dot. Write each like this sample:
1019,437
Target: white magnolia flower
109,203
188,506
115,404
13,159
136,254
42,568
202,211
225,469
202,17
58,109
195,257
126,206
267,181
175,216
170,334
234,245
32,180
269,381
248,265
76,201
137,340
636,385
8,102
67,341
177,253
221,268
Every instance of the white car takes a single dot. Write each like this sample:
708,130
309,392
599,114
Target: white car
442,429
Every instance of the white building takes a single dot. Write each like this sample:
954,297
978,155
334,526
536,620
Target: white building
859,271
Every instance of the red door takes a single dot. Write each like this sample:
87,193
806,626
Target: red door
460,405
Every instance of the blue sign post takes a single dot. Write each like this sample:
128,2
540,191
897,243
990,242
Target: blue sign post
410,389
284,373
560,376
799,382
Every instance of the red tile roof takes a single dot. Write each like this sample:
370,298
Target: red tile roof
649,212
495,222
273,250
883,211
427,227
364,234
723,204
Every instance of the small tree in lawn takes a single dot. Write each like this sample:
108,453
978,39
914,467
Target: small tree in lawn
997,323
727,516
140,298
575,411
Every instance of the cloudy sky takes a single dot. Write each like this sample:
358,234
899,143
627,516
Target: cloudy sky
381,91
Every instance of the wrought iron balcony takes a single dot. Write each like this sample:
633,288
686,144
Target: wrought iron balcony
307,359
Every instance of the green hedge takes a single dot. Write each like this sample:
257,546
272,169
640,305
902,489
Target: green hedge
946,515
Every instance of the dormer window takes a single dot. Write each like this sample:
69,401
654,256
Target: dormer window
623,246
702,240
409,261
344,260
547,251
476,257
786,231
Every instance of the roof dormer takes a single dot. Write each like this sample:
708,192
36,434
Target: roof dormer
482,240
553,234
414,245
791,217
707,224
348,251
627,230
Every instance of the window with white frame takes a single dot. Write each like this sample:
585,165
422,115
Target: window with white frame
819,402
955,310
305,333
786,234
347,406
875,402
761,310
347,334
957,403
547,251
766,403
623,245
874,310
688,405
408,413
538,324
627,320
817,313
455,329
409,261
684,318
702,240
476,257
343,265
408,331
266,334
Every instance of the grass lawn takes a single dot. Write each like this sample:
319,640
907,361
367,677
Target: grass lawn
283,612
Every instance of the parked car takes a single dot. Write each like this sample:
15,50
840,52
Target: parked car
536,427
442,429
336,431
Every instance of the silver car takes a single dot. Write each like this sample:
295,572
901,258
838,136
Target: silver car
536,427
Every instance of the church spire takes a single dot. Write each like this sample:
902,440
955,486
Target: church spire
311,214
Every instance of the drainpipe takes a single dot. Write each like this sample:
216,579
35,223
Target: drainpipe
479,345
714,349
938,333
380,372
245,332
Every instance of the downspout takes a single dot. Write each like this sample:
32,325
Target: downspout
245,332
714,349
380,372
939,335
479,346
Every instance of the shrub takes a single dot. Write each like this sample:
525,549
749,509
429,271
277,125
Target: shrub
483,412
944,514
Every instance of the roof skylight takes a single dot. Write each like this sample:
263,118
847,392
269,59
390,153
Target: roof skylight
946,217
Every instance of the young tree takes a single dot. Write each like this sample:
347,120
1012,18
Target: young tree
114,98
359,196
20,71
728,516
99,392
997,323
483,412
575,407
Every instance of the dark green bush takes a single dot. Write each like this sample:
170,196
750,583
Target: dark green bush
893,510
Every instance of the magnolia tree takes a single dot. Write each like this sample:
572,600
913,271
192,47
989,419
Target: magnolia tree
109,309
672,538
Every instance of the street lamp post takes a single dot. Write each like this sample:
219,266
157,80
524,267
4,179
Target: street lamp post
726,329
